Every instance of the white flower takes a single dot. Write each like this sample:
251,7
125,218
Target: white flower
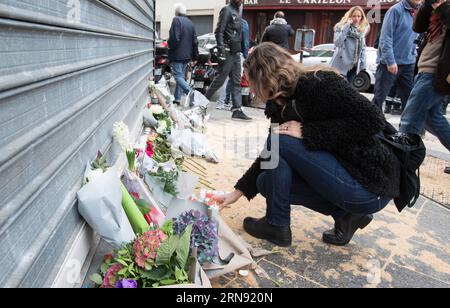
121,134
92,174
156,109
168,166
162,127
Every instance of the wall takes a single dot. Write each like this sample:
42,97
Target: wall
165,11
69,69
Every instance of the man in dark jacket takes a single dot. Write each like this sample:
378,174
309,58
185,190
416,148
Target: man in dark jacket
279,31
229,42
183,47
432,84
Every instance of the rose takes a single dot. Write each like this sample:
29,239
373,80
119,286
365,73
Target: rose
150,150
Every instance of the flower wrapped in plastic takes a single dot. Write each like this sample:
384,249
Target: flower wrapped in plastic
158,257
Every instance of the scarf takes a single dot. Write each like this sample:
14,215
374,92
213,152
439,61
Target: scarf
278,21
435,28
354,33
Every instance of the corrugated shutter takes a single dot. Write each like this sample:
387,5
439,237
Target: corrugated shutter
69,69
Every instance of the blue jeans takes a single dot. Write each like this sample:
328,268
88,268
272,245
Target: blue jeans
351,75
385,81
178,71
313,179
424,110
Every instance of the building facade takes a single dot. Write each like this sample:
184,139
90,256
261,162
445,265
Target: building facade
204,14
320,15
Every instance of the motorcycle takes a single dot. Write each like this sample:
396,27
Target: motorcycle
204,71
162,63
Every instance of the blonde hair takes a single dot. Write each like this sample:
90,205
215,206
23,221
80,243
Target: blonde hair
364,26
273,74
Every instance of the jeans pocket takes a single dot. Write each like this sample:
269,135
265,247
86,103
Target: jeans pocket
364,207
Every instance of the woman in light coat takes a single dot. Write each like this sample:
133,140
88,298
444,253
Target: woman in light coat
350,43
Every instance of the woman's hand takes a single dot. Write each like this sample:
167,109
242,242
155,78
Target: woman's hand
229,199
291,128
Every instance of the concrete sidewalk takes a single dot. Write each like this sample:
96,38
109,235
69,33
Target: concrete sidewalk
410,249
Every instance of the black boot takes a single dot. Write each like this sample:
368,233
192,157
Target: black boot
260,228
387,108
240,115
345,227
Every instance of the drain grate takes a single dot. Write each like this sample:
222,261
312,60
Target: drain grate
435,184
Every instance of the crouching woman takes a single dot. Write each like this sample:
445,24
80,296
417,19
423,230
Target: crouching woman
329,158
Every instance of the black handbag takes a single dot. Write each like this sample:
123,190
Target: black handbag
410,151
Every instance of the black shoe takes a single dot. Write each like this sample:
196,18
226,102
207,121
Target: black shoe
447,170
388,108
177,103
260,228
239,115
345,228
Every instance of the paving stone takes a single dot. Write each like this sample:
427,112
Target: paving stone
402,277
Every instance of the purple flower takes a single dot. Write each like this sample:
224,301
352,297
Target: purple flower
126,284
204,234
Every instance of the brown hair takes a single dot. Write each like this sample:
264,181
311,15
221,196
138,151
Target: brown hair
273,74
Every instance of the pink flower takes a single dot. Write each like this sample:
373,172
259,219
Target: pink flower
146,246
110,279
149,150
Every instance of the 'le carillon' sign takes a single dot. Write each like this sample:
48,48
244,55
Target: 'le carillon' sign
319,3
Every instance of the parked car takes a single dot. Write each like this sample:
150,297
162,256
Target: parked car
322,54
207,41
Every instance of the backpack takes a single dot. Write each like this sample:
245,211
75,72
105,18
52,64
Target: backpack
410,151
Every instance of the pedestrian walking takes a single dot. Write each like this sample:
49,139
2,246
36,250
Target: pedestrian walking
229,42
183,48
349,57
397,53
432,84
279,31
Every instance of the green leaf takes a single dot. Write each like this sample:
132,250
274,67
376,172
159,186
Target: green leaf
157,274
122,252
122,262
104,268
183,247
155,285
181,275
168,282
97,279
167,228
123,271
166,250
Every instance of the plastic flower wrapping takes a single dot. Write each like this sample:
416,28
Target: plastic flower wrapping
204,234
